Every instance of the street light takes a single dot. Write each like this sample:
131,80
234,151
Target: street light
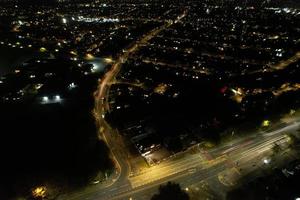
43,49
72,85
64,20
89,56
57,98
267,161
266,123
45,98
39,192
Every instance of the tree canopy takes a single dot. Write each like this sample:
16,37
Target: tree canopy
170,191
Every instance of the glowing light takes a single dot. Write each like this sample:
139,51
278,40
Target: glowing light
73,53
57,98
38,86
292,111
43,49
267,161
108,60
45,98
237,92
95,68
161,88
96,19
89,56
266,123
64,20
72,86
39,192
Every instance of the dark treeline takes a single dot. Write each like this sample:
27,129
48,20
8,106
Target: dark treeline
50,144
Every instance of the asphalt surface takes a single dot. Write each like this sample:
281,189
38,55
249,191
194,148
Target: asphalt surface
194,168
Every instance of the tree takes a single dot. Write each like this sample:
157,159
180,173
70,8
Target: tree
170,191
294,141
276,148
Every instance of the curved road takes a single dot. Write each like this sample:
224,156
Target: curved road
112,139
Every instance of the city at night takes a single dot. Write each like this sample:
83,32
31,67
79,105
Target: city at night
150,99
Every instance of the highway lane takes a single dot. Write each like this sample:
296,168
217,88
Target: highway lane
245,156
241,147
249,154
231,146
242,151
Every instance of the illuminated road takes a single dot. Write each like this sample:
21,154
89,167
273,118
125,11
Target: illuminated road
285,63
186,169
189,171
113,139
247,148
119,182
194,168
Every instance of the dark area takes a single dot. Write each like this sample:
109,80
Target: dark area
55,143
170,191
279,184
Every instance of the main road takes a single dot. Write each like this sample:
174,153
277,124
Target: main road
247,153
106,133
118,150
